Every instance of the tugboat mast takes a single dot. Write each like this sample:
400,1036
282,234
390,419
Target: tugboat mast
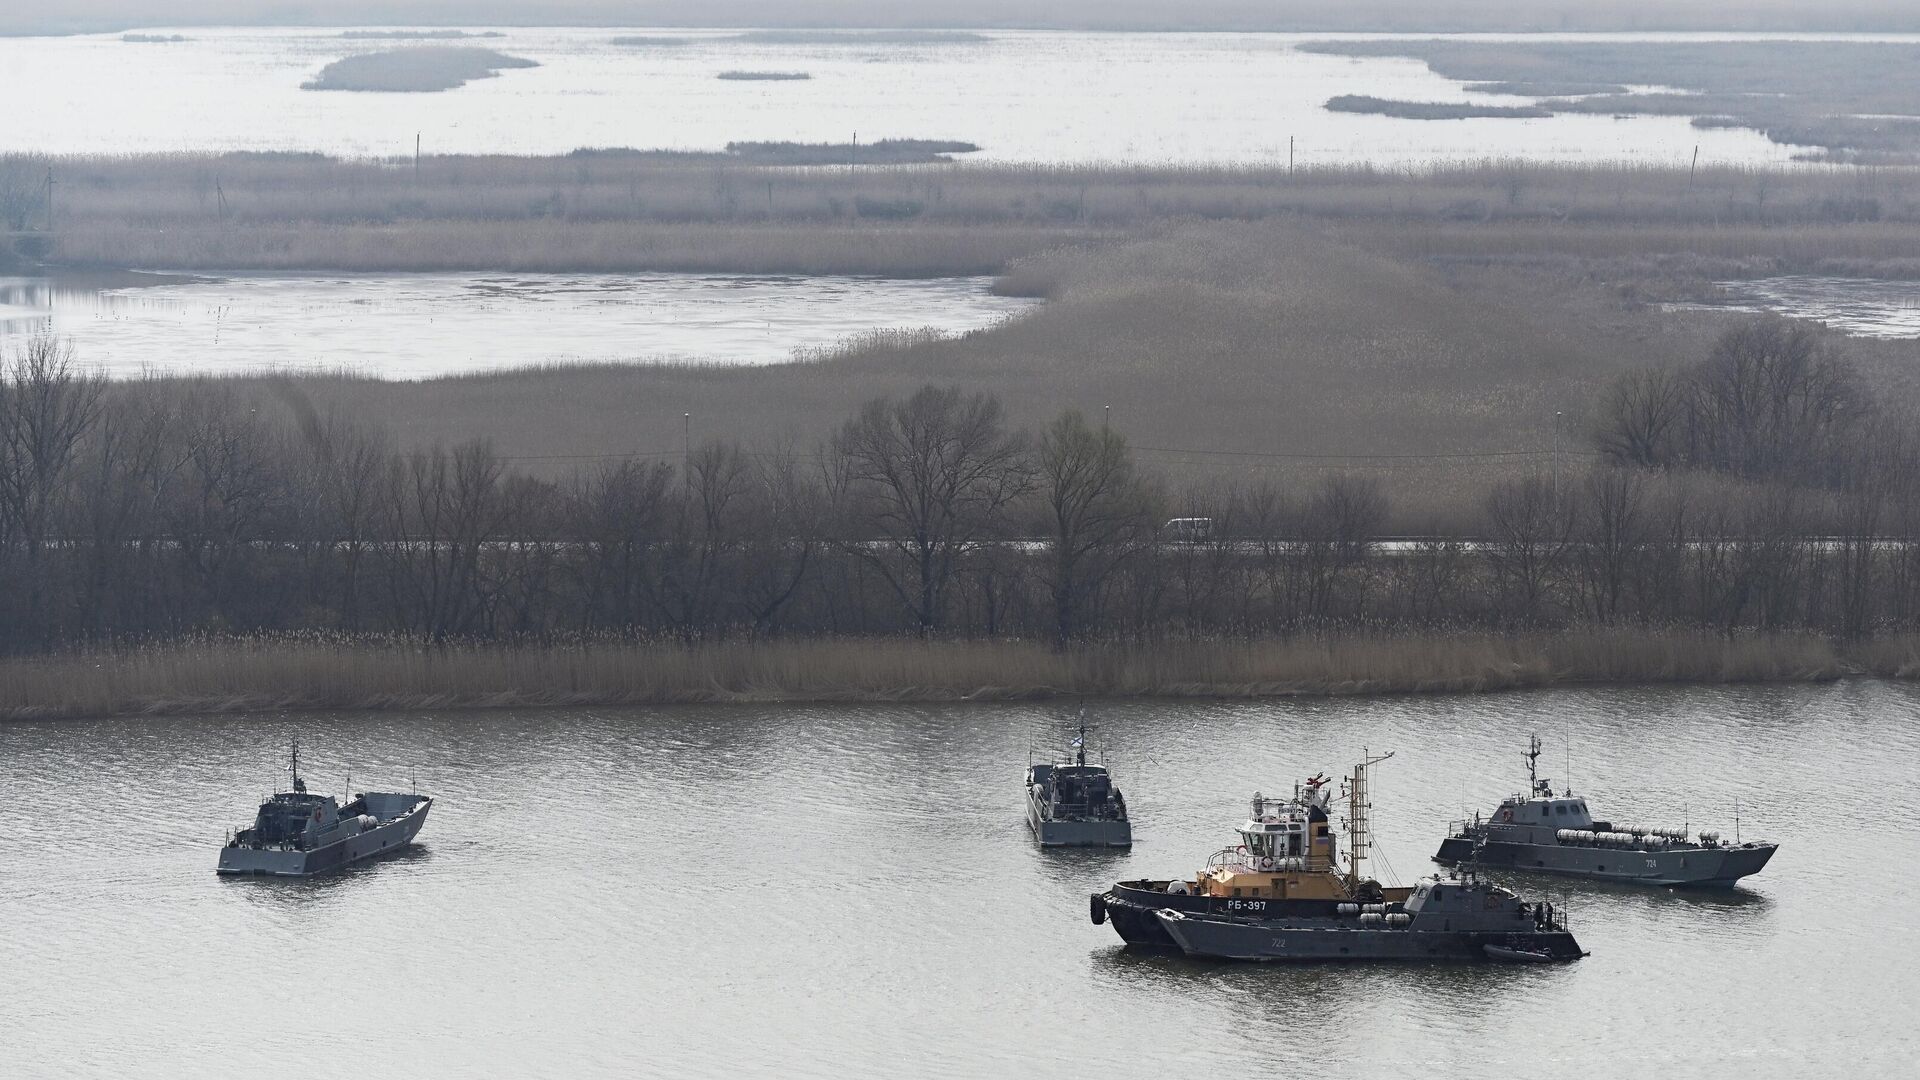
1359,827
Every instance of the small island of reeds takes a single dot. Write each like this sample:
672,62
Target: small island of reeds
416,70
651,41
763,76
153,39
1429,110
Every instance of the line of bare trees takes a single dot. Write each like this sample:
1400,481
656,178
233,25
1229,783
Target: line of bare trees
1758,490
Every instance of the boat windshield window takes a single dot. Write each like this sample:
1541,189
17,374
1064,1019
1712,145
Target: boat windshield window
1560,809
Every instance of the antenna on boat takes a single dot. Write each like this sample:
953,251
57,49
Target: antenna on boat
1533,768
299,785
1566,785
1080,743
1736,819
1358,807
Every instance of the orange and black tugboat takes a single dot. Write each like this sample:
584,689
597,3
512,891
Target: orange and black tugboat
1286,865
1279,896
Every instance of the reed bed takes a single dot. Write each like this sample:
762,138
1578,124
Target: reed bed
622,209
216,676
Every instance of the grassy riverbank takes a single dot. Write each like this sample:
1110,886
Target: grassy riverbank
247,675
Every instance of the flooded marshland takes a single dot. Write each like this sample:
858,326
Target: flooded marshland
412,326
1859,307
1026,96
836,890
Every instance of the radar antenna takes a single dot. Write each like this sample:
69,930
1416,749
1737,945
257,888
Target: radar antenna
293,766
1533,758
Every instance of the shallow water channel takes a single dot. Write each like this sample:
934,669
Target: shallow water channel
851,891
1860,307
410,326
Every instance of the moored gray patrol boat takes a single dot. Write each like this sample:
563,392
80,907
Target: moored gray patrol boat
1541,832
298,834
1073,804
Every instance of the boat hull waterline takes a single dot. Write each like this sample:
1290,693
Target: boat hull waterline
408,815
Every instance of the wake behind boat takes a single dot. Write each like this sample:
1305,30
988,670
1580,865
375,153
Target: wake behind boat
298,834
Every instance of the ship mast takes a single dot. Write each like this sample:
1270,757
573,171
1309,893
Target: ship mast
1533,770
294,766
1359,811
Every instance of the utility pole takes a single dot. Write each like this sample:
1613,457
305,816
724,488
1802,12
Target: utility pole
1556,450
1289,154
1106,418
1693,168
49,198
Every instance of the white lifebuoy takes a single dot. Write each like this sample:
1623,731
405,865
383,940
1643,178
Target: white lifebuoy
1266,862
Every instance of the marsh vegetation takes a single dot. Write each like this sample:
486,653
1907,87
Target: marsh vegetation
422,69
1843,98
764,76
1429,110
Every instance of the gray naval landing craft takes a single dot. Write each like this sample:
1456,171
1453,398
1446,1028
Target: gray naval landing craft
298,834
1073,804
1541,832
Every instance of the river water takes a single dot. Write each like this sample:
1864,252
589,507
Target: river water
842,891
1021,95
410,326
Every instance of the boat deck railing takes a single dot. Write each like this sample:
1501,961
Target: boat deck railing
1240,856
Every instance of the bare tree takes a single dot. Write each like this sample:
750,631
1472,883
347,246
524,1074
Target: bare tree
1641,418
1530,524
931,476
46,408
1612,535
1775,400
1097,509
619,515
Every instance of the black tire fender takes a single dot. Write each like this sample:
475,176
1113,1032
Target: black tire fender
1097,908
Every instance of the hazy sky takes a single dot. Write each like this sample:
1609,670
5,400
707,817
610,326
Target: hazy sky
100,15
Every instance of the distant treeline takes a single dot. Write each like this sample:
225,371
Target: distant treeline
1757,489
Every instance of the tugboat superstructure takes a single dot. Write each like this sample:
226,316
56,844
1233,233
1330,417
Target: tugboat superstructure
1286,864
1542,832
298,834
1073,804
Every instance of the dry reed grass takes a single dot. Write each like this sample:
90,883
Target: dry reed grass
1894,656
246,675
611,210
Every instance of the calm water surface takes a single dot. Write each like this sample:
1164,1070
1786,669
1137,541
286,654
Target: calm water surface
1860,307
1022,96
850,891
403,326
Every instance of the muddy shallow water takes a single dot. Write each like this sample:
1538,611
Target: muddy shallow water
409,326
